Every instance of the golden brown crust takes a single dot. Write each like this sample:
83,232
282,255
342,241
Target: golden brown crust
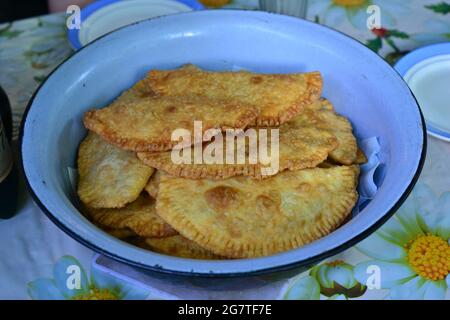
280,97
120,233
299,148
244,218
180,246
148,124
360,157
153,184
329,163
314,90
321,115
139,216
109,177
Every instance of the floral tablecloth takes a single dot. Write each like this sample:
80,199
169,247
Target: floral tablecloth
407,258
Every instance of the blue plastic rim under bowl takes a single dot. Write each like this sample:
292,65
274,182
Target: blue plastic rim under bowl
361,85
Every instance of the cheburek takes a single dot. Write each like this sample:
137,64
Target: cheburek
244,218
120,233
147,124
321,115
153,184
360,157
139,216
108,176
279,96
179,246
299,148
138,92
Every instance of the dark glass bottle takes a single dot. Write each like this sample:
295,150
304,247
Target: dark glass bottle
8,172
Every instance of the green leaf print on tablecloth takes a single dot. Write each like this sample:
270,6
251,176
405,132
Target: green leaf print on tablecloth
8,33
388,36
442,7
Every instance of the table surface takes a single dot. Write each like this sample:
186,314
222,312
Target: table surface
33,249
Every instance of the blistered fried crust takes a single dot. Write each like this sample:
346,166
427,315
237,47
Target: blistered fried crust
180,246
120,233
139,216
148,124
153,184
138,92
322,116
299,148
244,218
360,157
328,164
280,97
108,176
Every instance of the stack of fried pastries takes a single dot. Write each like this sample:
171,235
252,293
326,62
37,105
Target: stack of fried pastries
131,187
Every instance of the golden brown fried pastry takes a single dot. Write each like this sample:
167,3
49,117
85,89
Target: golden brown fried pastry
244,218
360,157
153,184
321,115
139,216
148,124
120,233
279,96
299,148
109,177
179,246
138,92
328,164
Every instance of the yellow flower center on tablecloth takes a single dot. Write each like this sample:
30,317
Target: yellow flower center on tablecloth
215,3
429,256
97,294
349,3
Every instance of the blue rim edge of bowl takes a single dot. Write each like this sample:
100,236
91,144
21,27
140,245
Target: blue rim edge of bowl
416,56
73,35
303,263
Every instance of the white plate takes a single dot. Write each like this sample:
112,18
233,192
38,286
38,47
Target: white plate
427,72
429,80
122,13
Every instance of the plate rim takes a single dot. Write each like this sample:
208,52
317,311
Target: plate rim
258,272
90,9
416,57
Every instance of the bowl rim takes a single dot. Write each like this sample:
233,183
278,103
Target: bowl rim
258,272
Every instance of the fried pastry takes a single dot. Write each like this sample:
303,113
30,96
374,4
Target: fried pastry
299,148
109,177
139,216
321,115
360,157
148,124
279,96
153,184
244,218
138,92
179,246
120,233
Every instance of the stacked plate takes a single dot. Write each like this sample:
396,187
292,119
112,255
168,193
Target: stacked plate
427,72
104,16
